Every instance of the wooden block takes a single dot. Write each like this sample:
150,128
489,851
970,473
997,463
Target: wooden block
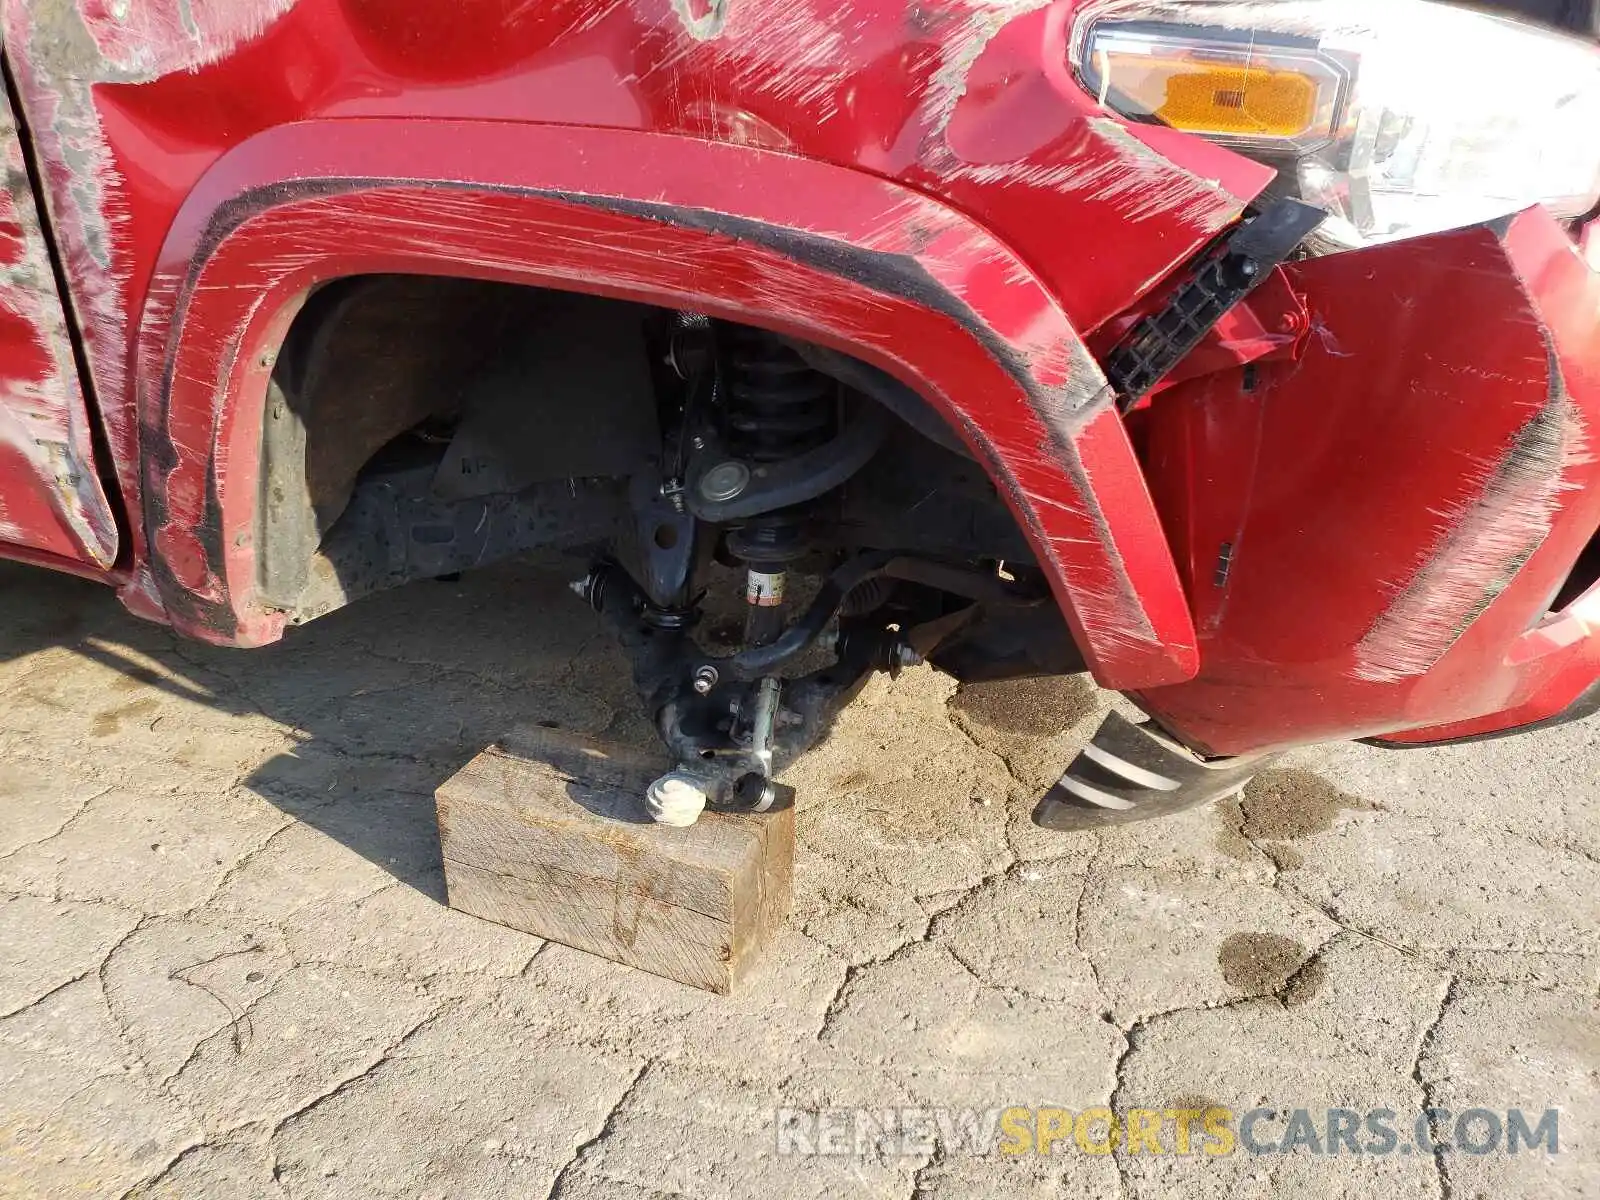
546,832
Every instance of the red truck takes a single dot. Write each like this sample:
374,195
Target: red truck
1245,355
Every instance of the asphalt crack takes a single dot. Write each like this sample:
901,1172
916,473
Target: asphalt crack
71,820
239,864
166,1169
350,1080
44,997
957,723
836,1003
1447,996
559,1183
930,931
919,1184
1078,927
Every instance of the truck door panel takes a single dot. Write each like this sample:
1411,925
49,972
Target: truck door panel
51,500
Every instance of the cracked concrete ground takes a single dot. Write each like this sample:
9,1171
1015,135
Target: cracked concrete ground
225,969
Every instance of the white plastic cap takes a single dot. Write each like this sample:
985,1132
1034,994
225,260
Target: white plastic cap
677,798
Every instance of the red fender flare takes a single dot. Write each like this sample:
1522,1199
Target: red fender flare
841,257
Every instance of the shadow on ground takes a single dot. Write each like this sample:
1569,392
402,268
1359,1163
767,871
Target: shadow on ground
376,704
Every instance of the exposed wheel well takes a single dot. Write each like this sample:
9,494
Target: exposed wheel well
418,426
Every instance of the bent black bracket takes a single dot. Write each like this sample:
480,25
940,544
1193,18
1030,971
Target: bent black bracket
1222,276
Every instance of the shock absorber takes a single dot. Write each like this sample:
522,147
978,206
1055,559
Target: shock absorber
775,407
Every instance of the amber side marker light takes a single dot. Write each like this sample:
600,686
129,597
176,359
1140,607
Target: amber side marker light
1249,95
1396,117
1222,101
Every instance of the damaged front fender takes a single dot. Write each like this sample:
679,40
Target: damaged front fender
834,256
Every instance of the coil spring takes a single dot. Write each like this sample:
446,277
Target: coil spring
775,405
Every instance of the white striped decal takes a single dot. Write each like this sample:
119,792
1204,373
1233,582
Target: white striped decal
1095,796
1130,771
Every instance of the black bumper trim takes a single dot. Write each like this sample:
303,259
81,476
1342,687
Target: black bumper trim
1133,773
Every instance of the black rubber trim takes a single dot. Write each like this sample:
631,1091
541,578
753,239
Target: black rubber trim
1134,773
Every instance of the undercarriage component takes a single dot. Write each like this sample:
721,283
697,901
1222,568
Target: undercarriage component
737,447
777,416
726,489
418,427
1011,643
677,798
503,419
727,736
668,540
731,723
888,391
1134,772
752,458
754,661
922,499
394,530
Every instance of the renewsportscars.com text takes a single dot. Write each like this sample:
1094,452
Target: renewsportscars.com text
1213,1131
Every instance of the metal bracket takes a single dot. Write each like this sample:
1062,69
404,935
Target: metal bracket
1220,279
667,541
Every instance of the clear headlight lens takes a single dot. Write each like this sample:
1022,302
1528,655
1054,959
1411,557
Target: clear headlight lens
1400,117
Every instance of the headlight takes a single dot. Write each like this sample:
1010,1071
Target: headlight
1400,117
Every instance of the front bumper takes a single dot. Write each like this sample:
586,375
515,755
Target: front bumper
1490,728
1372,536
